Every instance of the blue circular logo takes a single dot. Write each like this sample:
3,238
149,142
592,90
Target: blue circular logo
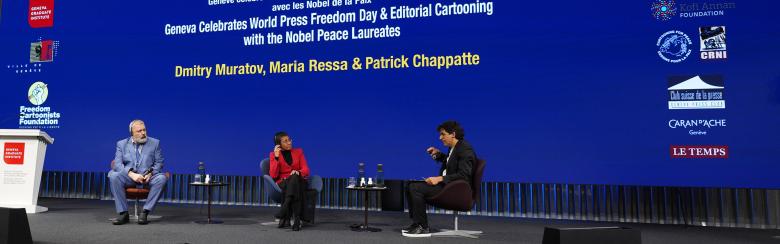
674,46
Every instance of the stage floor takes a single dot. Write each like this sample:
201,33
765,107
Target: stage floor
86,221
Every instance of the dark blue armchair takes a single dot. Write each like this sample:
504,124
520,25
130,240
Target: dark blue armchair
275,193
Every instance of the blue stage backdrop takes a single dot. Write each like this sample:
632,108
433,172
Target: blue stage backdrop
647,92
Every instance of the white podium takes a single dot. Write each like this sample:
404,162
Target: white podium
21,167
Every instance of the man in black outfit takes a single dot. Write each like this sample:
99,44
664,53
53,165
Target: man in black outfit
456,165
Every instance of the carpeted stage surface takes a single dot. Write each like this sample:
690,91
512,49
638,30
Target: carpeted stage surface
86,221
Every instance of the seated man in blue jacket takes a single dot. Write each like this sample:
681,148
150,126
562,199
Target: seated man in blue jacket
138,161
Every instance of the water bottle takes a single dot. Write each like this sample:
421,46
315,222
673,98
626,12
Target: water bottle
361,170
380,176
202,172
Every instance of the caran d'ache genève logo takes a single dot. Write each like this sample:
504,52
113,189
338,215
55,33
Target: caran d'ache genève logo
13,152
674,46
664,9
713,42
706,151
38,117
696,92
41,13
697,127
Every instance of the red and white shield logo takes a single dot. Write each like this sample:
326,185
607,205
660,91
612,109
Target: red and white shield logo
13,153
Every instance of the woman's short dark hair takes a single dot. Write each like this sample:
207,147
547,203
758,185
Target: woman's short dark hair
278,137
450,127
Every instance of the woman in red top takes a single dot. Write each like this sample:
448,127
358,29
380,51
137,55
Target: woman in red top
289,170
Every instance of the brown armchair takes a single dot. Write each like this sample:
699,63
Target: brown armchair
460,196
132,192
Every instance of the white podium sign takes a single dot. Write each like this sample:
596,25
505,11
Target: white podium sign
23,153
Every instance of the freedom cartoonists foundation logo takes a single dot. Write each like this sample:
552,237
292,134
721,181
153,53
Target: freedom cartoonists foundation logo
664,9
674,46
38,93
38,117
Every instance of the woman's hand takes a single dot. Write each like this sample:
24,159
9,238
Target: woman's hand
277,149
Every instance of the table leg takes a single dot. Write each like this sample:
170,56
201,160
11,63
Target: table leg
209,220
208,196
364,227
365,210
